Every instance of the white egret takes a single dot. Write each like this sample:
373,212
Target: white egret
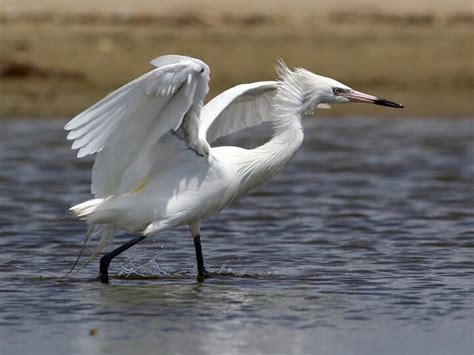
154,167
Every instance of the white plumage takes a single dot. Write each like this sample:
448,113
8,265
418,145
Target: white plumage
155,169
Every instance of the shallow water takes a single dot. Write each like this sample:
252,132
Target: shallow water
363,245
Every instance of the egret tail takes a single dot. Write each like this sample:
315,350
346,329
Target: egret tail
85,209
96,211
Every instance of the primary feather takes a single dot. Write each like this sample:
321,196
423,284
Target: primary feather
123,127
242,106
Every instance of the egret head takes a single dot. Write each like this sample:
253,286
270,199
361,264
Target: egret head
316,91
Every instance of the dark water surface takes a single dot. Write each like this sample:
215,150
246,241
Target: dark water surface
363,245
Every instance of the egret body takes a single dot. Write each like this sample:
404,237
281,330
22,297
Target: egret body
155,168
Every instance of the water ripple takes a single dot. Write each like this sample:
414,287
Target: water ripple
369,229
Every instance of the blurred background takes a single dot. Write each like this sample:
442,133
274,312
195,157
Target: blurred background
57,57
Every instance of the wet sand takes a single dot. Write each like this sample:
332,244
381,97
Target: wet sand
57,61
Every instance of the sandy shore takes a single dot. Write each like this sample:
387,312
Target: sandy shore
56,61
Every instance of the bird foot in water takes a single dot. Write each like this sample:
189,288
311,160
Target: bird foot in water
201,276
104,278
104,270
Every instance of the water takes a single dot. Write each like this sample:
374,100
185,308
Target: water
363,245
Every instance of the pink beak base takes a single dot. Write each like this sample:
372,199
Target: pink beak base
356,96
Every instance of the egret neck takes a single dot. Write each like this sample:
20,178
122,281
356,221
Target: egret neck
262,163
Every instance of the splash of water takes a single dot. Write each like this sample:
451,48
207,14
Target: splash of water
149,269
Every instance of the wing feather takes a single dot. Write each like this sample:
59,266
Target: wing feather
242,106
123,127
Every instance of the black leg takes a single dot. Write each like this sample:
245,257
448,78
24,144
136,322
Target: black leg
202,273
107,258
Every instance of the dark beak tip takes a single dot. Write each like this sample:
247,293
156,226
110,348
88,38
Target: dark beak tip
388,103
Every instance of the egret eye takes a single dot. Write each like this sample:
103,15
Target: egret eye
336,91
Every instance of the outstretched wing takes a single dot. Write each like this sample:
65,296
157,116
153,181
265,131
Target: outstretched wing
242,106
123,127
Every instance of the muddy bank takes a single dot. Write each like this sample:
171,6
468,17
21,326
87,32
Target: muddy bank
55,63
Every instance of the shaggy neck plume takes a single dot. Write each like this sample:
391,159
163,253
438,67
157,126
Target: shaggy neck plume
265,161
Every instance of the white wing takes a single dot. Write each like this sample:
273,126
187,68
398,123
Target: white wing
124,126
242,106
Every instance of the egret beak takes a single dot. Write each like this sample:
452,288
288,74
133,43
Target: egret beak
356,96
